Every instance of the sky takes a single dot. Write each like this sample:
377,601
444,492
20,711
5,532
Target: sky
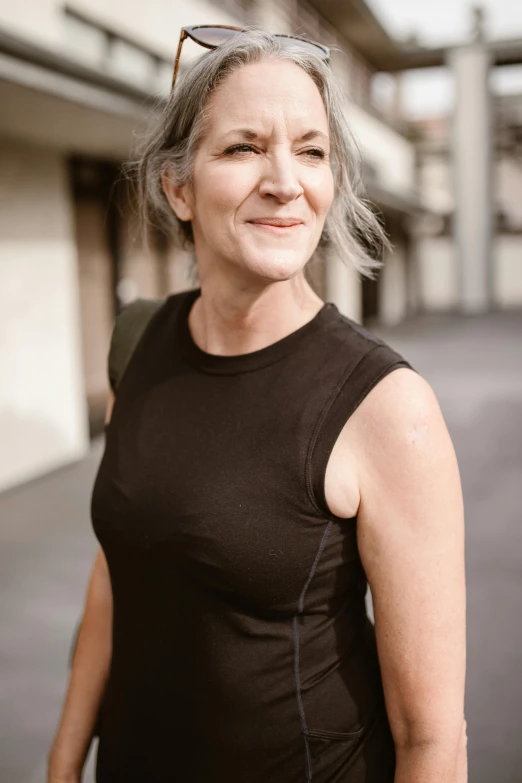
430,93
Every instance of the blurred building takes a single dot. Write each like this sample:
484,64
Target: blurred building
78,83
439,284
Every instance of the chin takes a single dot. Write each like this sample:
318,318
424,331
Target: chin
276,265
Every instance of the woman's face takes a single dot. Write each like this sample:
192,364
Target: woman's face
262,183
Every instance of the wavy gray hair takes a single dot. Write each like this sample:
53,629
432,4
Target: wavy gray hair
351,227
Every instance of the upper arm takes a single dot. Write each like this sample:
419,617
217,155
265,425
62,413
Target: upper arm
410,532
110,405
99,588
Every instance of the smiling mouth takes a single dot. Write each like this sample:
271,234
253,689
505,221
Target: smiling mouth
277,222
275,226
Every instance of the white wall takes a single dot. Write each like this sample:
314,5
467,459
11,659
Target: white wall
38,20
393,288
437,273
343,286
435,181
182,274
273,16
507,281
392,155
42,409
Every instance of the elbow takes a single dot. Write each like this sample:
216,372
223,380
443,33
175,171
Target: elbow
441,756
448,733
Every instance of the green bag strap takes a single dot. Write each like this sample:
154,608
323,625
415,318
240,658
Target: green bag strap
129,326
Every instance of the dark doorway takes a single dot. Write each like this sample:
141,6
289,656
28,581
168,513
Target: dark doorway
97,218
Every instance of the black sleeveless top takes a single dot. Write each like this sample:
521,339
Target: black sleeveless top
242,651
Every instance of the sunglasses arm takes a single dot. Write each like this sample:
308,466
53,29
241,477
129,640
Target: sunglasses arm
176,62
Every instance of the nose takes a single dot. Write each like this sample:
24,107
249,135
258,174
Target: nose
280,178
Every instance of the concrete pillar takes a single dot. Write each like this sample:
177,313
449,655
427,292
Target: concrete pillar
472,172
397,106
343,287
393,289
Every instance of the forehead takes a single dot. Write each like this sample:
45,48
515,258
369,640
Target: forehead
264,92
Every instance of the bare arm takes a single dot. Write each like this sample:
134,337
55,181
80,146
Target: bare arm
88,676
411,540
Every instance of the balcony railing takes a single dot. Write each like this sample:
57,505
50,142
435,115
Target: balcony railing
115,54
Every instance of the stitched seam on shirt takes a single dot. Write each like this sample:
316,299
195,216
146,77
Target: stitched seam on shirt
296,642
319,423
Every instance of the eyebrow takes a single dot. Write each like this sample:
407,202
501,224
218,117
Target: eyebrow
250,135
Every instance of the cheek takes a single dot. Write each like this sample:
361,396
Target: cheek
320,190
221,192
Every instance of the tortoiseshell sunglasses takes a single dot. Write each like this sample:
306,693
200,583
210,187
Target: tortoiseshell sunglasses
211,36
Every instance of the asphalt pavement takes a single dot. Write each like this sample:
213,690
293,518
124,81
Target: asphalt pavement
47,546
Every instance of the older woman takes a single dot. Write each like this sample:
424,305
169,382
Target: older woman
267,458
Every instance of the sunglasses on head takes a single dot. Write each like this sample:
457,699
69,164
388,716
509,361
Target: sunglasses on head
211,36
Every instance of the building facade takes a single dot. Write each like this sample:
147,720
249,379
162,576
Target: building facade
439,283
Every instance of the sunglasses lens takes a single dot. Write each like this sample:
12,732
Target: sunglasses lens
212,36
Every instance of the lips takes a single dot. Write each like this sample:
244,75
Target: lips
277,222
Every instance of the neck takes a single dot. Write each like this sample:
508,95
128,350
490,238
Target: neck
229,321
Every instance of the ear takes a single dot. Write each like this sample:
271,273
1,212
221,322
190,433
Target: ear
178,196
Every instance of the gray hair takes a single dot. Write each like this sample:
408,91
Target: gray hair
351,227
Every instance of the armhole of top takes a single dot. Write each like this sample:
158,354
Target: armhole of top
355,385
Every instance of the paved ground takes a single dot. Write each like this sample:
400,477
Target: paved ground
47,546
475,367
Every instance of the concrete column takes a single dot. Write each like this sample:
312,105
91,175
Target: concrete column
343,287
472,171
393,289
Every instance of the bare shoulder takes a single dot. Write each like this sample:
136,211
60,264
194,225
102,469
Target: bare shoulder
398,421
403,447
402,405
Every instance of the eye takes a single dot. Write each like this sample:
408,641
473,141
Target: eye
315,152
240,148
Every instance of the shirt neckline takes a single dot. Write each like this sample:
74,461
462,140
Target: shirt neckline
245,362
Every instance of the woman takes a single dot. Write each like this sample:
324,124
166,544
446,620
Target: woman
266,458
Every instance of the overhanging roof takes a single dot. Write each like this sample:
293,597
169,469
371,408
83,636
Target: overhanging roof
507,52
359,26
361,29
388,201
